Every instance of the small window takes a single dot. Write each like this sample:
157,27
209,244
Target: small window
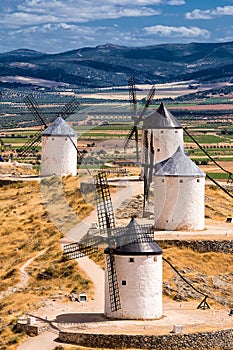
158,149
198,180
161,131
176,131
123,283
66,138
155,258
181,181
52,138
131,260
162,180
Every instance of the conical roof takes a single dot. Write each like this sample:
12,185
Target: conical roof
161,119
139,242
59,128
178,165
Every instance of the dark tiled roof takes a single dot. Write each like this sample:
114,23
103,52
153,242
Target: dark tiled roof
142,244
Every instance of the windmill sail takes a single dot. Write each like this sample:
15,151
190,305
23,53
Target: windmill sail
105,210
113,283
106,221
87,246
30,146
137,120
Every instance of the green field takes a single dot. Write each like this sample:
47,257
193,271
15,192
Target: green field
220,176
208,139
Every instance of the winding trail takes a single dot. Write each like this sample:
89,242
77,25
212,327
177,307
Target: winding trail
23,277
58,314
46,340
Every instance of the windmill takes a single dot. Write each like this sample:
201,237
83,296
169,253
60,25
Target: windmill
162,135
133,273
137,119
117,239
31,103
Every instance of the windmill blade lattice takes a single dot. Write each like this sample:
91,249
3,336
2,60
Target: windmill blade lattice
113,283
137,120
106,222
132,96
105,210
34,107
151,164
87,246
149,99
68,108
27,148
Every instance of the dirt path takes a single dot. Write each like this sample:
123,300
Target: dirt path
23,277
127,191
52,310
88,316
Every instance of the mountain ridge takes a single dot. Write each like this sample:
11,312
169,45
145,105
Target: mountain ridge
111,65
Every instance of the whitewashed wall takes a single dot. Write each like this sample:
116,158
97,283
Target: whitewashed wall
166,142
179,203
59,156
141,297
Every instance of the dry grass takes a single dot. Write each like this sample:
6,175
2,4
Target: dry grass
26,230
218,205
204,265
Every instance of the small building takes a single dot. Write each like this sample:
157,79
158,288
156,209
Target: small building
179,187
165,131
138,266
59,154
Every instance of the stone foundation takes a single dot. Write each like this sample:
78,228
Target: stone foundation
222,339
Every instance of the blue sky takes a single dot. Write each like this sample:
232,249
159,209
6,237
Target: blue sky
57,26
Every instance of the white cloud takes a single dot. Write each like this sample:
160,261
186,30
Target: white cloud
223,11
181,32
21,18
210,13
225,39
176,2
35,12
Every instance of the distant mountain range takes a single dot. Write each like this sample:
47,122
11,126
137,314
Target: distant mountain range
111,65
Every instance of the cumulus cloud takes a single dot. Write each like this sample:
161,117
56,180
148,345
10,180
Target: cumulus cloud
21,18
176,2
37,12
210,13
181,32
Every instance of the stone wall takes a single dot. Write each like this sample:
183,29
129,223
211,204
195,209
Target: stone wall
31,329
222,339
201,246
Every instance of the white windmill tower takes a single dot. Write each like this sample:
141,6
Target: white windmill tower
179,186
59,151
162,135
133,273
165,131
138,267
